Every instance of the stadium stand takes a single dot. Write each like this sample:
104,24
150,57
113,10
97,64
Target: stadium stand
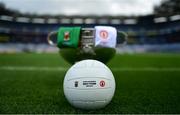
141,30
152,30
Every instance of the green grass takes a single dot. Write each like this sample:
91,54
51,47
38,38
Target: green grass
136,91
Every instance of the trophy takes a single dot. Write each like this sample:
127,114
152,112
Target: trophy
76,43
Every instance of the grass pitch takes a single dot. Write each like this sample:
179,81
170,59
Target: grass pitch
145,83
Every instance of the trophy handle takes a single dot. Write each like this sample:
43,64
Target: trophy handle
123,35
49,38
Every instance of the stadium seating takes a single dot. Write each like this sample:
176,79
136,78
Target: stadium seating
141,30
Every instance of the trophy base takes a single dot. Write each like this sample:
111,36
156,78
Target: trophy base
74,55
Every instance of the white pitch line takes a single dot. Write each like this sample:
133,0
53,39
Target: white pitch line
153,69
33,68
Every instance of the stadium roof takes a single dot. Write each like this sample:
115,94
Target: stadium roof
88,19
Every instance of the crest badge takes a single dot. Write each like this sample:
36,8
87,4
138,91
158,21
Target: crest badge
66,36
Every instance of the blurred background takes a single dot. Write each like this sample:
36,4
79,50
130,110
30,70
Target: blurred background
147,69
152,26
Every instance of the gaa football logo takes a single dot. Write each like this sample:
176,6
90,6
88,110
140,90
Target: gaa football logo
76,84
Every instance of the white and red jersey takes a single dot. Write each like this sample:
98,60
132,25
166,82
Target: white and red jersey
105,36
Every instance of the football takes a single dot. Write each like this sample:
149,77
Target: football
89,84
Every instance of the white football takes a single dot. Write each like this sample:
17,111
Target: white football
89,84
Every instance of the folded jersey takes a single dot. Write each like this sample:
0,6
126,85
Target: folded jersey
105,36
